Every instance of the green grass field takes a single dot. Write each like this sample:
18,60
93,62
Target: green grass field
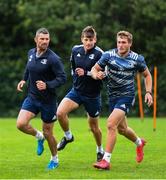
18,159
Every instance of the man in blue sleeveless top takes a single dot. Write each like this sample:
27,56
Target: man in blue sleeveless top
85,91
122,65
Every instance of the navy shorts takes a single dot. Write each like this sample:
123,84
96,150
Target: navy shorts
123,103
91,105
48,111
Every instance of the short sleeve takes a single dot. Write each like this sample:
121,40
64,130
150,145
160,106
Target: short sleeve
102,62
141,64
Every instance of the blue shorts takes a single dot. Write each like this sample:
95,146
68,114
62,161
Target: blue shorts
123,103
48,111
91,105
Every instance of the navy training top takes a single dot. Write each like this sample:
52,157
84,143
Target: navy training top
47,68
85,85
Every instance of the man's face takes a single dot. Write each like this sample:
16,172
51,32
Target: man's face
42,41
123,45
88,43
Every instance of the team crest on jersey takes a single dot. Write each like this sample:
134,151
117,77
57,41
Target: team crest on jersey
131,64
30,58
91,56
78,55
44,61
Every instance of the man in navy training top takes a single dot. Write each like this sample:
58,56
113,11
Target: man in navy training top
44,72
85,91
122,65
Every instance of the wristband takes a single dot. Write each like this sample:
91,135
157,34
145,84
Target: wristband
148,92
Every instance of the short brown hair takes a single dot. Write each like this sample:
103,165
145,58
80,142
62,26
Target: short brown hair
89,32
126,34
42,30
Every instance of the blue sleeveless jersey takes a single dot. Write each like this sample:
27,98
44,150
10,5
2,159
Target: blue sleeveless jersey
121,72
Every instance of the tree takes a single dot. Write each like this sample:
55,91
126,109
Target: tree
65,21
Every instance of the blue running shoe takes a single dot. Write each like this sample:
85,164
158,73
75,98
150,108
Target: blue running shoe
52,165
40,146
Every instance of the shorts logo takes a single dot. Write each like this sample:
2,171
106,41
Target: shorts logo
97,113
54,118
123,106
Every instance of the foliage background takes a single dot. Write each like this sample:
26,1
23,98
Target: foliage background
65,20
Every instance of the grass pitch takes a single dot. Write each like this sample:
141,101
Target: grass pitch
18,159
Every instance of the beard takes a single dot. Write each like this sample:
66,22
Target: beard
43,47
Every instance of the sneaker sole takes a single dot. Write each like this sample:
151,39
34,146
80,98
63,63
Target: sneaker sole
98,167
52,168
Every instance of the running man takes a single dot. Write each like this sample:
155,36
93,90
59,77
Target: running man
122,65
85,91
44,72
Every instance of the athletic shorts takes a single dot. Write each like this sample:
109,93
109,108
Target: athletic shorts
123,103
48,111
91,105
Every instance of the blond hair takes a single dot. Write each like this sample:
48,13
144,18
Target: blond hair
126,34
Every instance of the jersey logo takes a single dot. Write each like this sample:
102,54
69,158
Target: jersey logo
30,58
131,64
44,61
91,56
78,55
113,62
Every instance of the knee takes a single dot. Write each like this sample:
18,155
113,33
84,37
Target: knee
111,127
94,129
20,125
60,114
46,134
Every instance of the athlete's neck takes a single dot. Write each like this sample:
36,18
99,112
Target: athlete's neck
123,54
39,52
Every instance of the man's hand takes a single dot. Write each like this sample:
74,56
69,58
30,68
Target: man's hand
20,85
41,85
100,75
148,99
79,71
97,72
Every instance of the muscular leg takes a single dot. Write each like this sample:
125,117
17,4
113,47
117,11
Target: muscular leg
48,134
94,126
23,120
64,108
129,133
112,123
126,131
